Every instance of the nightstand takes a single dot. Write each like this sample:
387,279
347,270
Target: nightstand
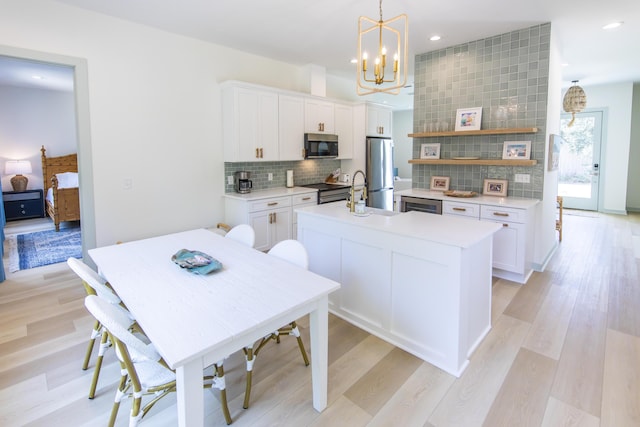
23,204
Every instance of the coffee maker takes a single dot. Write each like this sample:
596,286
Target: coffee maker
242,182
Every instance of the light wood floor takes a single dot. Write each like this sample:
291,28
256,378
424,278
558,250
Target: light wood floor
564,351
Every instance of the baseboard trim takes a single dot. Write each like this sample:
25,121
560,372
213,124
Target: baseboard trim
541,267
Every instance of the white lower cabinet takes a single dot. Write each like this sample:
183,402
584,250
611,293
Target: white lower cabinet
271,227
469,210
508,247
272,218
512,244
300,201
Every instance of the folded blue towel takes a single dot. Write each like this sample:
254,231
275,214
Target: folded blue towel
196,262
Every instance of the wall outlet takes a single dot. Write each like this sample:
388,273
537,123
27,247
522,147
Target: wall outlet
230,180
524,178
127,183
270,176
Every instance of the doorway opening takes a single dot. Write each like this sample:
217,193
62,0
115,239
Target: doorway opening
81,101
579,166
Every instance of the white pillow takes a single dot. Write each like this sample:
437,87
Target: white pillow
67,179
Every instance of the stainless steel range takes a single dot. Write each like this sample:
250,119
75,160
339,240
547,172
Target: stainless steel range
328,193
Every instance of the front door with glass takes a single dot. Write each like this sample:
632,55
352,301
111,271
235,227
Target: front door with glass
579,166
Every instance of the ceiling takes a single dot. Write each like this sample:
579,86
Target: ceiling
325,32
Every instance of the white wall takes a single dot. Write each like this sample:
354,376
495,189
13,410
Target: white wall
545,235
29,119
403,145
154,105
633,179
616,100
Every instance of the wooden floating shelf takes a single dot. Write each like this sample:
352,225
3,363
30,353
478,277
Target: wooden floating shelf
482,162
474,132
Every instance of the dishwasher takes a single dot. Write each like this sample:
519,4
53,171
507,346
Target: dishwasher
409,203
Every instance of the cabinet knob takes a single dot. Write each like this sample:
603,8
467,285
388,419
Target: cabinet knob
257,153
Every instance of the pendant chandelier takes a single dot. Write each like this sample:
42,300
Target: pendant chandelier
575,100
374,36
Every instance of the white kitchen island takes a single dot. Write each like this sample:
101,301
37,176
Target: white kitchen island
421,282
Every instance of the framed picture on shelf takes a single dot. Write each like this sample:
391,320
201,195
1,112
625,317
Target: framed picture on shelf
516,150
495,187
430,151
440,183
468,119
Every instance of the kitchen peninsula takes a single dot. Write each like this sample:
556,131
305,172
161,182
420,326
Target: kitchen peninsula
421,282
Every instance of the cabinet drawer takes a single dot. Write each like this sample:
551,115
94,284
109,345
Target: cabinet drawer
503,214
23,205
305,199
470,210
275,203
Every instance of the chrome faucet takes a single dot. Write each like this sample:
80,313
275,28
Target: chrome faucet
351,203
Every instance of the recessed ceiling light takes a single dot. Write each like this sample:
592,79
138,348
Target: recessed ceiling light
612,25
435,38
565,64
37,77
354,61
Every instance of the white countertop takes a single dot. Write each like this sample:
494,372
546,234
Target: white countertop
444,229
271,192
514,202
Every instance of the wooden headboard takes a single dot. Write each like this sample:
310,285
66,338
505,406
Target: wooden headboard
55,165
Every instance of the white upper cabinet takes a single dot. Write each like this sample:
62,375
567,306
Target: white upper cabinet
291,127
344,129
318,116
379,121
250,124
266,124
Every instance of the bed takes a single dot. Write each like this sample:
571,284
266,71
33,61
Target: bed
62,199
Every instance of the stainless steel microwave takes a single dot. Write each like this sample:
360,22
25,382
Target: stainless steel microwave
320,146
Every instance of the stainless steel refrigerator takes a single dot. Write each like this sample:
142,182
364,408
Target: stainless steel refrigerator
379,171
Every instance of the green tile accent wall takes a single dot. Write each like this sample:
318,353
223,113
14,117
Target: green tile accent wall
507,75
304,172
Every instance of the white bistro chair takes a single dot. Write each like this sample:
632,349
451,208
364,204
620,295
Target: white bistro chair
94,284
294,252
143,371
242,233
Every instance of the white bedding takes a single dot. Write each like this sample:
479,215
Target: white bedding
50,196
65,180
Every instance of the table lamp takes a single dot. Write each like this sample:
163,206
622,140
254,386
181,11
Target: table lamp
18,167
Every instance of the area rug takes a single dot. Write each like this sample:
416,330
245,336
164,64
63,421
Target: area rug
43,248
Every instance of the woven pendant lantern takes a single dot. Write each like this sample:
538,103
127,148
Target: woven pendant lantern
575,100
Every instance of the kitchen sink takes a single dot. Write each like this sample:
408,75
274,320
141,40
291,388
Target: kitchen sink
383,212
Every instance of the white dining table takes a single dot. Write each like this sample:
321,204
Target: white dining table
197,320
